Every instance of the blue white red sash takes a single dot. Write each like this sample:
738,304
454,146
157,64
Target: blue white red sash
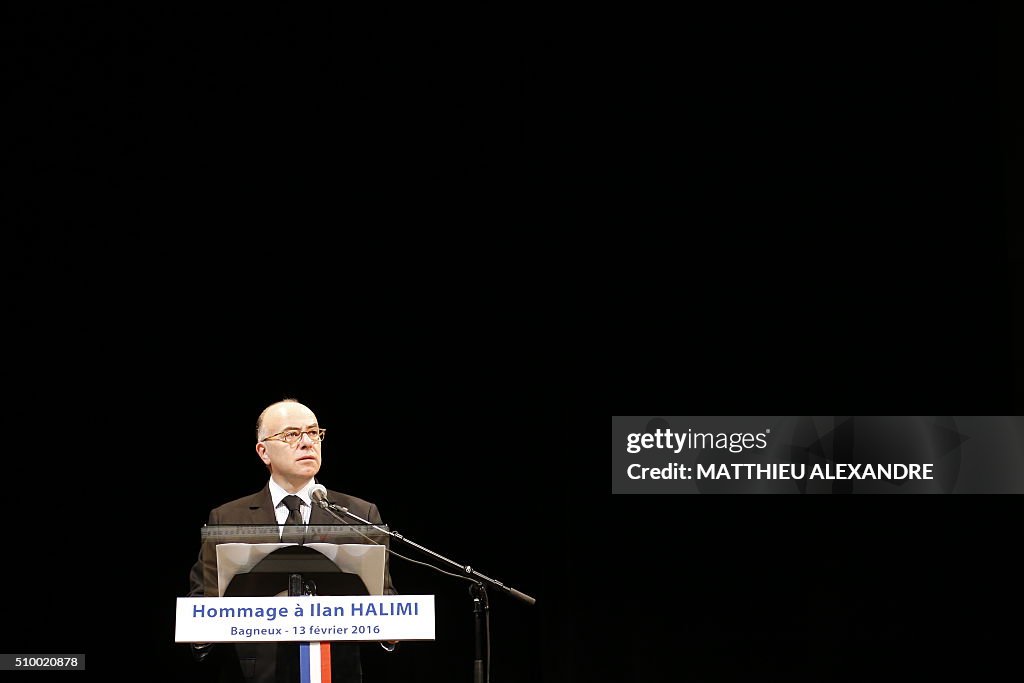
315,662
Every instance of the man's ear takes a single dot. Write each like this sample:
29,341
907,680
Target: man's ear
261,451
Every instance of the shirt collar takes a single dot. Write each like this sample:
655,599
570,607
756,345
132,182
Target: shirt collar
277,493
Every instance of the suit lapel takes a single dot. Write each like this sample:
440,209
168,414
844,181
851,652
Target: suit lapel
261,508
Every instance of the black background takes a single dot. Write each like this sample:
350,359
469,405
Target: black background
464,242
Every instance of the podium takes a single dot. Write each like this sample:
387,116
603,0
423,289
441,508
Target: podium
278,602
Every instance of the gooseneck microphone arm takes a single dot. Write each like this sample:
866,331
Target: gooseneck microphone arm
319,496
481,606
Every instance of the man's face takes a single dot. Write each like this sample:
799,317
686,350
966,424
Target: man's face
296,461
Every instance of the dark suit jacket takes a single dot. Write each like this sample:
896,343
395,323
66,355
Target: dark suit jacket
278,662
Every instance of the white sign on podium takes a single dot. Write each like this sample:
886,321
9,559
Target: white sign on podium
305,618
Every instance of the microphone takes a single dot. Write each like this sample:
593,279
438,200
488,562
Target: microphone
319,495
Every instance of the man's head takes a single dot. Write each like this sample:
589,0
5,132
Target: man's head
292,461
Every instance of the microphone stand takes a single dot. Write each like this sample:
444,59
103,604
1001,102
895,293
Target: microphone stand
478,590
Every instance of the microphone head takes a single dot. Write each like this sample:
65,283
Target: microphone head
318,493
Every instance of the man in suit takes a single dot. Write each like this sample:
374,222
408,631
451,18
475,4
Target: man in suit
289,440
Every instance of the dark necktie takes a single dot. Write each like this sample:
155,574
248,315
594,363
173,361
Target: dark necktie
293,534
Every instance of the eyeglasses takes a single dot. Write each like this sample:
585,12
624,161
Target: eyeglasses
293,436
